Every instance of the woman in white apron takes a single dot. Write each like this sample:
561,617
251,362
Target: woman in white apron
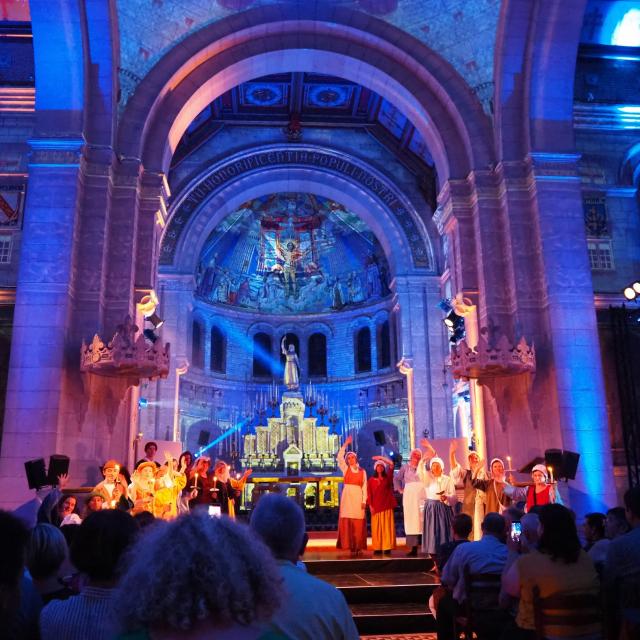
409,484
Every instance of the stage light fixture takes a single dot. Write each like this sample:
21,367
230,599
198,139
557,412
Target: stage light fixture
155,320
143,403
150,336
456,335
636,287
452,320
444,305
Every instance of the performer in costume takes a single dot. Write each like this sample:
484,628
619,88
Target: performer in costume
496,500
113,488
198,482
472,498
169,484
381,503
408,483
221,491
352,524
440,494
291,377
142,487
538,494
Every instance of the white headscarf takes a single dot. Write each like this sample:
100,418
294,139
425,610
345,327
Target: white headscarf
491,465
439,461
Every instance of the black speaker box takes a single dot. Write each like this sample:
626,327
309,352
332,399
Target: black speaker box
563,463
379,438
203,438
58,465
36,473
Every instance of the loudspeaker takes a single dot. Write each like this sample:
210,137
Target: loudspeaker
203,438
58,465
379,438
564,463
36,473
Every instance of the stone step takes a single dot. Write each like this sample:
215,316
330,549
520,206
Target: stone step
393,618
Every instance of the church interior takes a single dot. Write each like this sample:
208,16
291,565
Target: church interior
256,230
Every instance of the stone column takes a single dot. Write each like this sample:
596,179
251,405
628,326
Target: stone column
43,308
572,329
176,296
411,296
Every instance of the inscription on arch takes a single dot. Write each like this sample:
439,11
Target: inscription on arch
231,170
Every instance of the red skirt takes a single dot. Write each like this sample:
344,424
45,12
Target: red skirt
352,534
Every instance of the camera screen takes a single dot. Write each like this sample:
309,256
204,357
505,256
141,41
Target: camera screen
215,511
516,530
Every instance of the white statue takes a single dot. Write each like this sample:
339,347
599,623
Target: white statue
291,377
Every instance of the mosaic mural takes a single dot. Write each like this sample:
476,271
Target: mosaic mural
462,31
292,253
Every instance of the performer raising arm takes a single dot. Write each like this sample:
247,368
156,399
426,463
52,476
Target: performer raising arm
440,498
352,524
408,483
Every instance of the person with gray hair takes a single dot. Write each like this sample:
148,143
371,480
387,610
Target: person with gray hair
311,609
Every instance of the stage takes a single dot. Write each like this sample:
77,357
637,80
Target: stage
387,595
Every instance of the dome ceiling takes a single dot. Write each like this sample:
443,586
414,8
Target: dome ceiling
292,253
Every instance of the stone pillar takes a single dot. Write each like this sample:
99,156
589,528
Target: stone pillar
42,311
573,336
411,296
176,296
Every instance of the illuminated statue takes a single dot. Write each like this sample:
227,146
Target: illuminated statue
291,377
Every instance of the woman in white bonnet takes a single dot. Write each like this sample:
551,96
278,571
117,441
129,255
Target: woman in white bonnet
440,493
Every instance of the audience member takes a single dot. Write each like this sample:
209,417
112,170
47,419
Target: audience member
621,573
96,551
210,578
559,565
311,608
616,523
487,555
19,601
530,535
45,557
596,544
144,519
461,527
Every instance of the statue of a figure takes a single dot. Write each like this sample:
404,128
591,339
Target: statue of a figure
291,377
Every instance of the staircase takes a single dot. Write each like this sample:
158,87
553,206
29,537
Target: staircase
387,595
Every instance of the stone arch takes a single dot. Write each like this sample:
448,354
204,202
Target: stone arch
309,38
536,46
189,228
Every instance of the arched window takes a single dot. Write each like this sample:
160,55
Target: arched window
218,360
197,346
363,350
262,355
384,345
317,355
